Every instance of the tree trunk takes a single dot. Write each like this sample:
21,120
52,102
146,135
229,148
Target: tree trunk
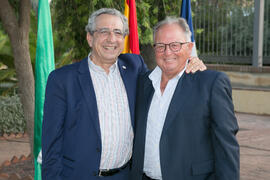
18,32
26,82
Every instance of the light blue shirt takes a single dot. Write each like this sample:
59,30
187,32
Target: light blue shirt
155,121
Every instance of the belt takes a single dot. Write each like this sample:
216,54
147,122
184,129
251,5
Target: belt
145,177
110,172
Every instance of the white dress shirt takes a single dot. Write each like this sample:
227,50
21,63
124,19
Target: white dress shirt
155,121
114,116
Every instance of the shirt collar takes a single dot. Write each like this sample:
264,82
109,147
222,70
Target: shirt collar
155,75
97,68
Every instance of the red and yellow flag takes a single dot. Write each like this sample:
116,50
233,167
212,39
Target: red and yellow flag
131,41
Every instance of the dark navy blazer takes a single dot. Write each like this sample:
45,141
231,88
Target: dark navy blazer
198,139
71,140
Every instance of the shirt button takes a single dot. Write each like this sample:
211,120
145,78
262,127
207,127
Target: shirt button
98,149
94,173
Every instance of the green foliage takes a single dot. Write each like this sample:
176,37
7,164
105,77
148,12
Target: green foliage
8,79
144,22
7,69
149,12
223,27
11,113
6,74
240,31
70,18
6,56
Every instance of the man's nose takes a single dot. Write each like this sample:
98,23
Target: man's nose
167,50
111,37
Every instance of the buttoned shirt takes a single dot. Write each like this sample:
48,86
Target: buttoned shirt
114,116
155,121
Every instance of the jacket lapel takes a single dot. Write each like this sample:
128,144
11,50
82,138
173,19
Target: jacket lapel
130,86
148,92
182,91
89,93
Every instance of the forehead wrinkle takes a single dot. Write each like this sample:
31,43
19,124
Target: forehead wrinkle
114,23
170,33
105,28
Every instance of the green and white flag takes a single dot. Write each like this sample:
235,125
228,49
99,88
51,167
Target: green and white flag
44,65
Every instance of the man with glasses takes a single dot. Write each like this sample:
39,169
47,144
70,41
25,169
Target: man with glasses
89,107
185,123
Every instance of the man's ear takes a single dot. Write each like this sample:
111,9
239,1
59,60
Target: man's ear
190,45
89,39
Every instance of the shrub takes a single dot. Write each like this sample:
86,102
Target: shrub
11,115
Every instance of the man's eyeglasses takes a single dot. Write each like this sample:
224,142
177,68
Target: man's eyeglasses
174,46
105,32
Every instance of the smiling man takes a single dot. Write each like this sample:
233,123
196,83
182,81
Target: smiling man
89,107
185,123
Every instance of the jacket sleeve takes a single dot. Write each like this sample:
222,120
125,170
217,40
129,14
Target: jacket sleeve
143,68
223,130
52,128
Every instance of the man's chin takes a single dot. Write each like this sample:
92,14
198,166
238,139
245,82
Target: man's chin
111,58
111,54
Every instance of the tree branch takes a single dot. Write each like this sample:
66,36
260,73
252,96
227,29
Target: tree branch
8,18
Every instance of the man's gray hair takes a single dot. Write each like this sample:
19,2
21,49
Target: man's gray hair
174,20
91,26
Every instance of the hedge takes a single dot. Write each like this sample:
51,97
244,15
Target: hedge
11,115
